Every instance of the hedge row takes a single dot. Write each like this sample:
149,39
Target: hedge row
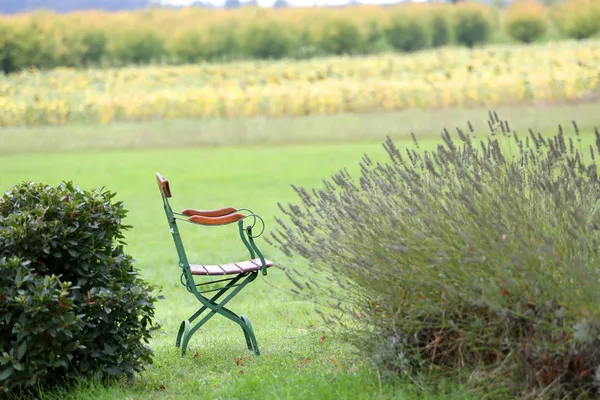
189,35
528,20
46,40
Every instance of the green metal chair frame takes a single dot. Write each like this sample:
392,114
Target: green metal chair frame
241,273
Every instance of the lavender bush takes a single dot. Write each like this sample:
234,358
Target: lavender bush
471,260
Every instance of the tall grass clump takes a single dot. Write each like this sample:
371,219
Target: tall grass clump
478,259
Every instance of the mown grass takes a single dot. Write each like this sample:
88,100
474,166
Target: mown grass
299,360
295,363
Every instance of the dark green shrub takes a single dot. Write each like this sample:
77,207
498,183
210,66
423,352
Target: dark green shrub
8,46
307,45
441,34
472,24
406,33
94,43
469,260
375,40
26,46
526,30
223,44
135,46
526,21
577,19
188,47
268,41
340,37
38,327
96,316
219,44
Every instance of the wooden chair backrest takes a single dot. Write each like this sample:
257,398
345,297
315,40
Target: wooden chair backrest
163,185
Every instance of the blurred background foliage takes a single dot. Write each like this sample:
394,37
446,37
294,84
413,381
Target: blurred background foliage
44,39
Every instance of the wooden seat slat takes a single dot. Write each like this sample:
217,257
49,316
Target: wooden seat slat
229,269
214,270
232,268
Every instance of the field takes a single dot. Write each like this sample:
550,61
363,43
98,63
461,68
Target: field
111,99
450,77
251,164
294,362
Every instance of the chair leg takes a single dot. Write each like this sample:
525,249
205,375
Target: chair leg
250,338
185,325
183,328
243,321
188,335
185,332
247,336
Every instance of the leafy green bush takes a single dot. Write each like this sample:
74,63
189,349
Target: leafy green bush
406,33
472,24
222,44
25,46
340,37
94,43
307,44
441,34
467,258
269,41
577,19
188,47
38,326
70,300
135,46
375,40
218,44
7,50
526,21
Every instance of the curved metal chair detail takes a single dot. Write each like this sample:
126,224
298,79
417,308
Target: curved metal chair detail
239,274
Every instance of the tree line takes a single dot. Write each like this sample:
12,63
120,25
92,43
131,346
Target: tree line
13,7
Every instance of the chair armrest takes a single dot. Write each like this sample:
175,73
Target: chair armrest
209,213
224,220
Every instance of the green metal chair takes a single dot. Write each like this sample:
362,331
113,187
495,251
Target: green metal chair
239,274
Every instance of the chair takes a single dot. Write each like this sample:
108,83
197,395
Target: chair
239,274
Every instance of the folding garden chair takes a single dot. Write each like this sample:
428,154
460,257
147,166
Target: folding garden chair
239,274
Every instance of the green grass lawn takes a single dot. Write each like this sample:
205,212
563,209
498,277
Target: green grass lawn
299,359
294,362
